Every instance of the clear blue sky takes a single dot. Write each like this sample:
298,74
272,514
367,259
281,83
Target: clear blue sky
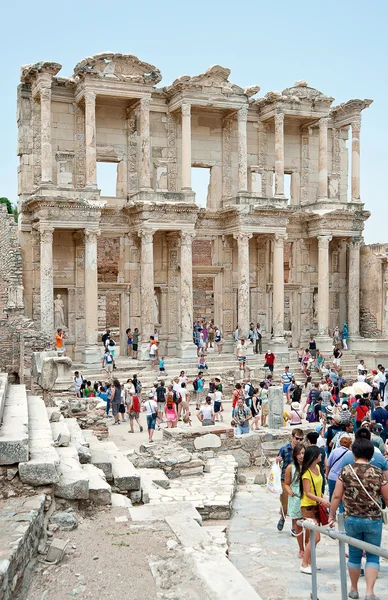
339,47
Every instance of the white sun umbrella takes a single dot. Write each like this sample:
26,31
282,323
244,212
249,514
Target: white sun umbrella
361,387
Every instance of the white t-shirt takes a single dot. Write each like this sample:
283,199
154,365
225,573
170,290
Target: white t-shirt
361,367
153,349
217,396
381,377
206,411
176,386
183,379
150,406
183,392
361,378
321,442
78,383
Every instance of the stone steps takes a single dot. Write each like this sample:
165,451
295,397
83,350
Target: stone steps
100,491
60,432
73,483
42,466
14,444
78,440
3,392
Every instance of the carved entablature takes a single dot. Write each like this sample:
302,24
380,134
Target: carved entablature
213,83
28,73
349,111
338,223
120,67
299,98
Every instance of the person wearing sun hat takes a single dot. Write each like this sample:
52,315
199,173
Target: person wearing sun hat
295,416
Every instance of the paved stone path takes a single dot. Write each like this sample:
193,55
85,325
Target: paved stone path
269,559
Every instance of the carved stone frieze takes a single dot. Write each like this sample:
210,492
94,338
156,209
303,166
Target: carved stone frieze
120,67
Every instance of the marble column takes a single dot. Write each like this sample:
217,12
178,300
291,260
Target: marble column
354,288
323,284
124,277
145,171
90,139
186,147
91,352
279,154
278,287
242,116
45,129
46,281
146,288
356,126
186,346
243,315
322,162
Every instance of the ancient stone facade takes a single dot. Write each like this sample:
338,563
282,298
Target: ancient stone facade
278,242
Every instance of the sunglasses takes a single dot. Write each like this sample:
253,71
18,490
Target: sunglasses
298,438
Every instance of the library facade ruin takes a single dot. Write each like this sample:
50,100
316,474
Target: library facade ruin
280,239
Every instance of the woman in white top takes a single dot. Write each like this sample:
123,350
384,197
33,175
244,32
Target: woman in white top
151,409
206,413
153,353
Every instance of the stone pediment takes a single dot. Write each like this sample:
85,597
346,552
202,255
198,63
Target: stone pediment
350,107
29,72
216,77
300,93
120,67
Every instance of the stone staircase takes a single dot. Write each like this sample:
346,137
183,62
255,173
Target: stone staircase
51,450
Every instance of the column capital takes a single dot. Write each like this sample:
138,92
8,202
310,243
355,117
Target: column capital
324,241
186,109
355,242
356,125
146,234
323,122
45,92
145,103
242,113
279,118
279,238
90,235
90,97
46,234
187,237
242,237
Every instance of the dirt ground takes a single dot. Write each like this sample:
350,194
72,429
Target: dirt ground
104,560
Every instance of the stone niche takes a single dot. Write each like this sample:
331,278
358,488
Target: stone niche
64,298
65,167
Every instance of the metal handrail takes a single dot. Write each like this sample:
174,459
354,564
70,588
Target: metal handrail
342,539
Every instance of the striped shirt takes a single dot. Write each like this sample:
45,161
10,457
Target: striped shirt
287,377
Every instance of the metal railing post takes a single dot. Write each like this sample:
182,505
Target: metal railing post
314,582
342,558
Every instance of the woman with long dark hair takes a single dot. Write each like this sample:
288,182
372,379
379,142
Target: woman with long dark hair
291,485
311,497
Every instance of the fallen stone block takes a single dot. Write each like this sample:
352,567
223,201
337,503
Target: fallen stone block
61,433
207,441
14,446
156,476
54,414
79,441
260,478
42,467
100,459
125,476
56,551
73,482
193,471
121,501
65,519
158,512
99,490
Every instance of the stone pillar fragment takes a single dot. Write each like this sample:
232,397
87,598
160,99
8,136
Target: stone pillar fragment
186,147
90,139
354,288
242,116
323,284
146,289
46,281
278,287
45,120
279,154
91,352
243,284
356,127
145,172
322,166
275,407
187,347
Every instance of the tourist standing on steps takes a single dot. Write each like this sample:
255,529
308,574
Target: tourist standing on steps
312,346
210,333
151,409
242,415
345,335
104,337
135,342
311,497
107,362
218,340
285,457
269,360
170,410
134,408
258,338
241,353
286,379
78,380
161,400
292,487
360,485
153,352
129,342
115,400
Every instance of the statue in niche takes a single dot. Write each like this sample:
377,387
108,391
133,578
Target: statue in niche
59,315
156,308
315,305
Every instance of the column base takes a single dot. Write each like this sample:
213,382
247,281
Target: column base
91,355
278,346
324,343
186,350
144,351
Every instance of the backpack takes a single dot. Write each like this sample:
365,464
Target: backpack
176,397
161,394
137,385
108,359
195,384
112,342
251,390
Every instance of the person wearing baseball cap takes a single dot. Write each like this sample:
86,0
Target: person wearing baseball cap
332,430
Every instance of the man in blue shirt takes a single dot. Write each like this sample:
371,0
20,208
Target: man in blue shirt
380,415
285,457
287,378
377,460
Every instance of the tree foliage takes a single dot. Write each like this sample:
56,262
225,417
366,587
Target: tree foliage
12,210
